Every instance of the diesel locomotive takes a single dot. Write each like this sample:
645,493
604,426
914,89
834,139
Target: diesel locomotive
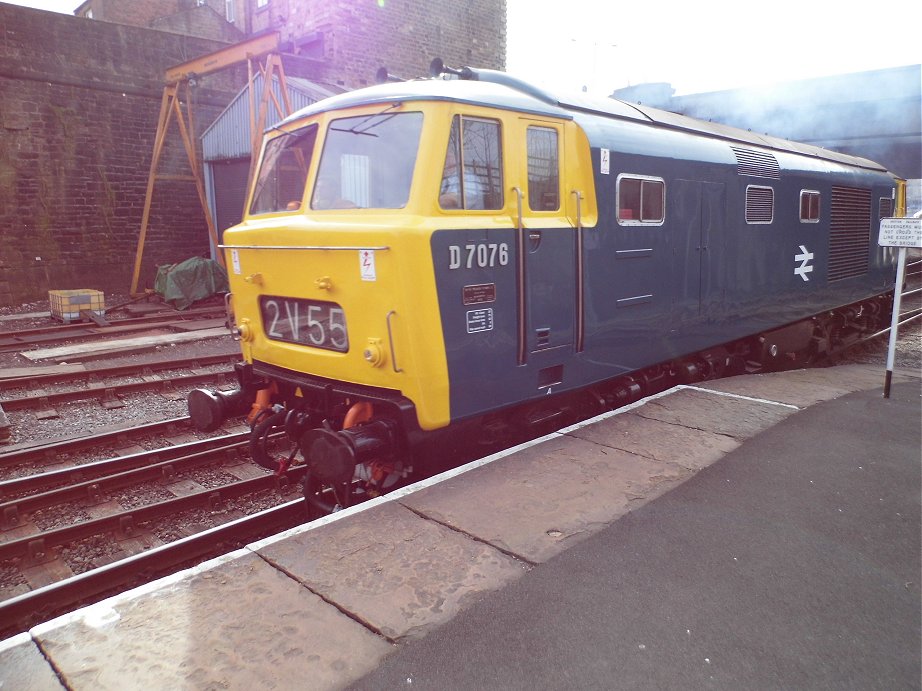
452,257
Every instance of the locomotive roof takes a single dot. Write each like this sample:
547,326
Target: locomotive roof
499,90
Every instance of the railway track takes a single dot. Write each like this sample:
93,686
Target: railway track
50,334
40,391
34,562
107,394
36,559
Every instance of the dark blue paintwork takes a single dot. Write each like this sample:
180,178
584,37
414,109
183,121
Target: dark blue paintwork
655,293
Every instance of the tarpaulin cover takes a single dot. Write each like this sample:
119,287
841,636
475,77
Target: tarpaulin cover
191,280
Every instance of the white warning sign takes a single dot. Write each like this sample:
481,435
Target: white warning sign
900,232
367,264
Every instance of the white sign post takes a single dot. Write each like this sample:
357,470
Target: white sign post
902,233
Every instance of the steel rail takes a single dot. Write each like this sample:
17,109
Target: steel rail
102,372
36,547
27,484
150,319
52,448
11,511
23,611
103,390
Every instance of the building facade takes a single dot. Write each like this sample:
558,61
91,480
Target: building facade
353,37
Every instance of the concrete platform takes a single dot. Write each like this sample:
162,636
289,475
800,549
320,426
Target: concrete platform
326,604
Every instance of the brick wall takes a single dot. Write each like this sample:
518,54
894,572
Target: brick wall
201,21
359,36
80,101
135,13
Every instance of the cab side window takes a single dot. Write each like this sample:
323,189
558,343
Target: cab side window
809,206
543,169
473,174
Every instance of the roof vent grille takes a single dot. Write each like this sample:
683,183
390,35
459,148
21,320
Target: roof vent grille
759,164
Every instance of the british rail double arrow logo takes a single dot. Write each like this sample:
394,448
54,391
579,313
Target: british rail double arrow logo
805,257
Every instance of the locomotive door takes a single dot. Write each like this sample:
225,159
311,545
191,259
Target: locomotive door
546,243
701,211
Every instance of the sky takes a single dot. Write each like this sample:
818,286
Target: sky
708,45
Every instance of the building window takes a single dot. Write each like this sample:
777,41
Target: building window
473,174
809,206
760,202
543,169
229,10
88,14
641,200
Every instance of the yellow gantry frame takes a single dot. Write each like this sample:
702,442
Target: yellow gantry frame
177,79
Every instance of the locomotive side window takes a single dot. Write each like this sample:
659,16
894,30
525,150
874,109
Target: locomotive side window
760,203
473,174
641,200
283,172
886,208
367,162
809,206
543,169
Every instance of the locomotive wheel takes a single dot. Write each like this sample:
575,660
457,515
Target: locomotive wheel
260,444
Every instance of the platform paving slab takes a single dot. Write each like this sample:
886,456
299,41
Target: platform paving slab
401,574
804,388
662,441
178,635
732,416
22,666
544,498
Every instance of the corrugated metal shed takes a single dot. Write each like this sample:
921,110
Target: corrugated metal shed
228,137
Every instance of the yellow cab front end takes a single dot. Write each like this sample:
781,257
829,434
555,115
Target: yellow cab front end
336,293
330,270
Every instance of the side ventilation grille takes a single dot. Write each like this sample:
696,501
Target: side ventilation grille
849,233
759,164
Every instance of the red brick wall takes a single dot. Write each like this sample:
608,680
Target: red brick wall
80,101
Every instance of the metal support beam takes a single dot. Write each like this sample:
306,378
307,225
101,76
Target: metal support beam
171,105
226,57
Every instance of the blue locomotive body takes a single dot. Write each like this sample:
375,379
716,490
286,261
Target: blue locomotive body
738,242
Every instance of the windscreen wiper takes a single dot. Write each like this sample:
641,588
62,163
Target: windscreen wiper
357,129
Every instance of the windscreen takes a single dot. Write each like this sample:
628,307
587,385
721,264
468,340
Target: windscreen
367,162
283,172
